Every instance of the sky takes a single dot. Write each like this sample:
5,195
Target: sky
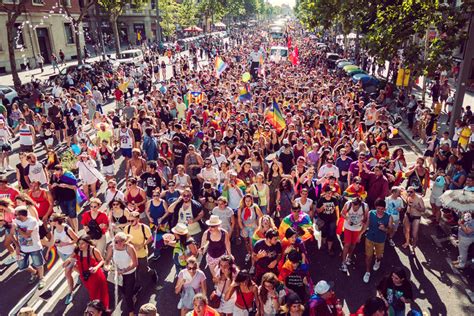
291,3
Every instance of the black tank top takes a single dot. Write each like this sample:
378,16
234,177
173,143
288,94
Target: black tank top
106,157
216,249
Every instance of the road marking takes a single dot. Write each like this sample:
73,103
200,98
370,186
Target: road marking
58,297
470,294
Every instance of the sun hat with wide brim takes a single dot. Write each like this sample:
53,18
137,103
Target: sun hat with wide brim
180,229
214,220
323,287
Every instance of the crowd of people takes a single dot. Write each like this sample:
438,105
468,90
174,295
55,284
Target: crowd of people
242,200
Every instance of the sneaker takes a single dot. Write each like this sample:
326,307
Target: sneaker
459,266
32,279
343,267
247,257
348,261
2,170
68,299
41,284
9,260
376,265
366,277
10,168
252,270
391,243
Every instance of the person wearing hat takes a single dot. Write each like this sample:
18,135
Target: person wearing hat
184,246
89,174
323,301
217,242
294,305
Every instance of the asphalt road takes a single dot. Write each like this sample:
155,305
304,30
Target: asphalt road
438,288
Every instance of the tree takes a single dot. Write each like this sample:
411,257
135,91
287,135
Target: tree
115,8
13,11
187,13
169,13
76,22
213,9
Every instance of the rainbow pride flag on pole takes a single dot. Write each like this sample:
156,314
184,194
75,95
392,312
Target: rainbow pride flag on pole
274,117
220,66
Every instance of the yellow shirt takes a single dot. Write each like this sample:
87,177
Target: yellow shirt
104,135
464,136
139,237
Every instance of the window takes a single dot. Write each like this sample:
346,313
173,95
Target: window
69,32
38,2
19,41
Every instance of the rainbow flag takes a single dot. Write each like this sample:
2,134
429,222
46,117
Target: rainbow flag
240,184
220,66
274,117
303,225
339,127
53,255
245,95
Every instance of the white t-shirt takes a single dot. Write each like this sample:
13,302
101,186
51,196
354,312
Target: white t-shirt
392,207
32,243
117,195
225,215
216,161
36,173
325,170
305,207
209,174
63,236
4,136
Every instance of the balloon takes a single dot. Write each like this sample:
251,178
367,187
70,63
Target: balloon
75,149
246,77
394,131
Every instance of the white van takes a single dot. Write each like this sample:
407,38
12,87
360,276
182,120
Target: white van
129,57
278,53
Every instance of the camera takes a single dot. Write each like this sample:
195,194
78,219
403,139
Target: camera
86,275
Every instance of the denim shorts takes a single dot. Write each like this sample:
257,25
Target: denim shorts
36,258
68,208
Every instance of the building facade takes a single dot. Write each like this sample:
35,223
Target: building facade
43,28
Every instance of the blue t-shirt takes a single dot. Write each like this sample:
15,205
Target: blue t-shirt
374,234
392,207
469,224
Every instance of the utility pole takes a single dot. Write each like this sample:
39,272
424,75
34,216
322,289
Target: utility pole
464,73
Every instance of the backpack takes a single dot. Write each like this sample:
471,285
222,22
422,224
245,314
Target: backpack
95,232
143,230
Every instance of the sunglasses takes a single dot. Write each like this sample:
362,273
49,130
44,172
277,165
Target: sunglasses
410,192
192,268
156,195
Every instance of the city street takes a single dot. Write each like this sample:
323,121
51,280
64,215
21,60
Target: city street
280,94
439,289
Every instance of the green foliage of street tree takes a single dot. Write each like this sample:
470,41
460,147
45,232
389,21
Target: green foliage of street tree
13,9
188,13
170,14
114,8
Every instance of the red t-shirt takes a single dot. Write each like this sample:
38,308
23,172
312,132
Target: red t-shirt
9,193
100,219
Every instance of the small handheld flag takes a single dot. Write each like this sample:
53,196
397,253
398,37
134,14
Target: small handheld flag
53,255
220,66
274,117
245,95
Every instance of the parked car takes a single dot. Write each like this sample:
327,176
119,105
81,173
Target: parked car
10,94
128,57
72,68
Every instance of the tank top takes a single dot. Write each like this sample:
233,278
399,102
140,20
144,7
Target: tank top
64,237
354,218
216,249
26,138
42,203
106,157
137,199
244,299
375,234
123,260
120,220
157,211
125,139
